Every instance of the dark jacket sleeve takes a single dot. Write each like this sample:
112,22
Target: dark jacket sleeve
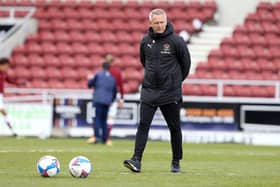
142,56
114,93
91,83
183,58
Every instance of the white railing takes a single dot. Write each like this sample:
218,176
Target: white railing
17,22
219,97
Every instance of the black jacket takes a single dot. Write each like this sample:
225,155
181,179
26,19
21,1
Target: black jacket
166,60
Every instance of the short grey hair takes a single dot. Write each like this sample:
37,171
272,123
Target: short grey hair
157,11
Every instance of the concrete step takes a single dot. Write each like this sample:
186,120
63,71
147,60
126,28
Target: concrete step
217,29
201,44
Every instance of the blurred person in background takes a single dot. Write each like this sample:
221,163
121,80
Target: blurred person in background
4,77
105,91
118,103
166,61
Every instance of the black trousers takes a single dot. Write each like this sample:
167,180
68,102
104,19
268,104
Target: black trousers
171,113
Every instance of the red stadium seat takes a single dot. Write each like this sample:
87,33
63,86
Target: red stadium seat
242,90
48,48
20,60
22,73
77,36
83,61
37,83
38,73
62,36
46,36
64,48
92,37
191,89
132,74
56,84
52,61
80,48
209,90
71,84
59,24
53,73
249,65
69,73
36,60
34,47
67,61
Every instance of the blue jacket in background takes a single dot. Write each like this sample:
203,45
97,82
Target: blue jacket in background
105,89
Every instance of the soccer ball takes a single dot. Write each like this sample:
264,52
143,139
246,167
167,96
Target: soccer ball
48,166
80,167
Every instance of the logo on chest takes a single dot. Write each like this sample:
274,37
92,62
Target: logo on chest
165,49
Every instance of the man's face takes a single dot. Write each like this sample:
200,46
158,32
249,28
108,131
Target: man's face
158,23
4,67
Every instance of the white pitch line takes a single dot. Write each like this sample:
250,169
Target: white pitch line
246,153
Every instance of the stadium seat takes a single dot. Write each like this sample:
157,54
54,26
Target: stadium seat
80,48
20,60
53,73
33,47
208,90
38,73
72,84
77,36
51,60
64,48
67,61
36,60
22,73
58,24
68,73
61,36
132,74
191,89
83,61
37,83
48,48
242,90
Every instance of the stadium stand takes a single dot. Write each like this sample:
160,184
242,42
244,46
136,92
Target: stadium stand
249,54
77,35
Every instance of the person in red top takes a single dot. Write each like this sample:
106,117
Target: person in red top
116,73
4,66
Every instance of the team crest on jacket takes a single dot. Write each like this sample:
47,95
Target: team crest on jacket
165,49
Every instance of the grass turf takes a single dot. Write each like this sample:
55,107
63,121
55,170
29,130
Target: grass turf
203,164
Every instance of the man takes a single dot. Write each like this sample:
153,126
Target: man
116,73
4,66
104,94
166,60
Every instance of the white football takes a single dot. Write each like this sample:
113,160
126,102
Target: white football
80,167
48,166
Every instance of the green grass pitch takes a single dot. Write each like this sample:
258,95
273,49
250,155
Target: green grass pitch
203,164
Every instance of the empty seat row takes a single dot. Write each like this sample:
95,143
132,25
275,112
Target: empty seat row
111,5
78,48
62,60
240,65
236,75
229,90
245,52
73,36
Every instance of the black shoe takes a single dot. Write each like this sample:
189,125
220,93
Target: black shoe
175,166
133,164
14,134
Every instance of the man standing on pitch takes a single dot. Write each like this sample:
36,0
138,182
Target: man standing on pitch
166,60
